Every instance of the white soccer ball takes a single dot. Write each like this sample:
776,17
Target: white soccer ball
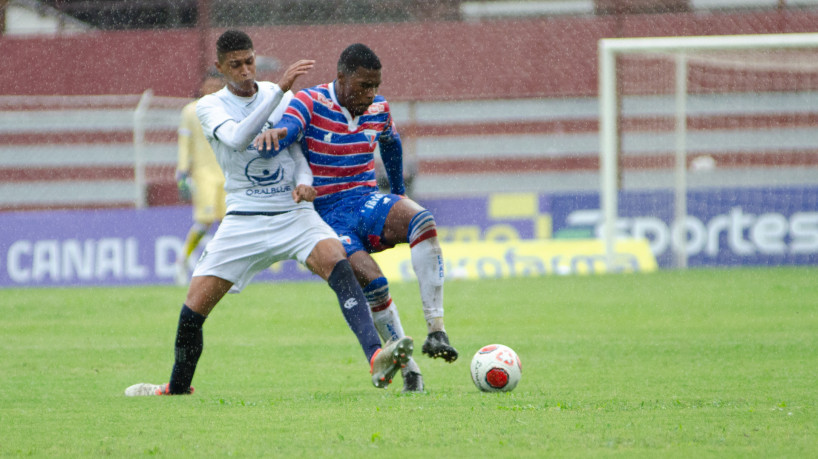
496,368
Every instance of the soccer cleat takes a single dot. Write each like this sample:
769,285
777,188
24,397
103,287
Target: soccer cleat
437,345
412,382
142,389
388,360
412,378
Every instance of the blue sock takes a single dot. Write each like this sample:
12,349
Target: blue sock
354,307
188,348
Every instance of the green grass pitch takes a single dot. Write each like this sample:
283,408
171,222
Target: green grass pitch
719,363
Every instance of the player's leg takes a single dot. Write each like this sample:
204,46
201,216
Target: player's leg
203,295
408,222
229,256
194,236
384,312
328,260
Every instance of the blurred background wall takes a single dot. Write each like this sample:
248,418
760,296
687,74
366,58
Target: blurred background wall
490,96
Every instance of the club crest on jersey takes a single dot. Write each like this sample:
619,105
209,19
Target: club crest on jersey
371,137
263,172
374,109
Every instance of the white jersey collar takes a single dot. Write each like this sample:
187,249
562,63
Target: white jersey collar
352,122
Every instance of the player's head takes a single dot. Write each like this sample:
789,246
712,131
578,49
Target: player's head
237,62
211,82
359,76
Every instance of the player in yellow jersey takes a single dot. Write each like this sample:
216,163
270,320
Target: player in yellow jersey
198,176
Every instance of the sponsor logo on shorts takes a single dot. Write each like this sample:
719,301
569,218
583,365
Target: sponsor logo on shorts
373,201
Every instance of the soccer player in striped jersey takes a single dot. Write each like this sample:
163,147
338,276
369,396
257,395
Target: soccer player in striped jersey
340,125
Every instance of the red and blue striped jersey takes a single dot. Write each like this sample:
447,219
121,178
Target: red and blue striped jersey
340,149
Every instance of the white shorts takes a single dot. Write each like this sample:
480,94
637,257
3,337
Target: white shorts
244,245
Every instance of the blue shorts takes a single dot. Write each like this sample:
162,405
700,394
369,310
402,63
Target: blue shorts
359,222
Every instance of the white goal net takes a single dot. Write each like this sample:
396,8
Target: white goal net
710,142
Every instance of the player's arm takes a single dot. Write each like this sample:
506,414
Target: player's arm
392,156
287,130
273,141
304,190
239,135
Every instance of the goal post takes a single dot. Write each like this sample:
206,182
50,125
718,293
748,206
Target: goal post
678,52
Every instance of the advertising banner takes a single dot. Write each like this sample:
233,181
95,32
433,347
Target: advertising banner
724,227
523,258
494,236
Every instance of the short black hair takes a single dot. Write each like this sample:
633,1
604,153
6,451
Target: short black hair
358,55
233,40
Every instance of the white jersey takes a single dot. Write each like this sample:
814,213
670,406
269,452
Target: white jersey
253,183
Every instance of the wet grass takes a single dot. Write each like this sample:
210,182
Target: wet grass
718,363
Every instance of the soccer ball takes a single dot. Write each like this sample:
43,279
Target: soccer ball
496,368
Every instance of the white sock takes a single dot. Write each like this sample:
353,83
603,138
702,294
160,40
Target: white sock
386,318
387,322
427,261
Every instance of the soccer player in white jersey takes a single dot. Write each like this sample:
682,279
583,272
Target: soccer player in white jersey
339,125
270,217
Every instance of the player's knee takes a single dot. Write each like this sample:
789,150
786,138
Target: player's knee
200,227
376,286
421,227
332,250
377,294
340,272
325,257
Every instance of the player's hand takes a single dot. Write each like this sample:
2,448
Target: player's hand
294,71
304,193
268,140
183,185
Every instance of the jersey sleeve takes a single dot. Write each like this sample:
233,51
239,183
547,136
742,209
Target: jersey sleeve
390,130
211,115
238,135
392,156
297,117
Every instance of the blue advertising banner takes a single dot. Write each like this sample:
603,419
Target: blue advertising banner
102,247
726,227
